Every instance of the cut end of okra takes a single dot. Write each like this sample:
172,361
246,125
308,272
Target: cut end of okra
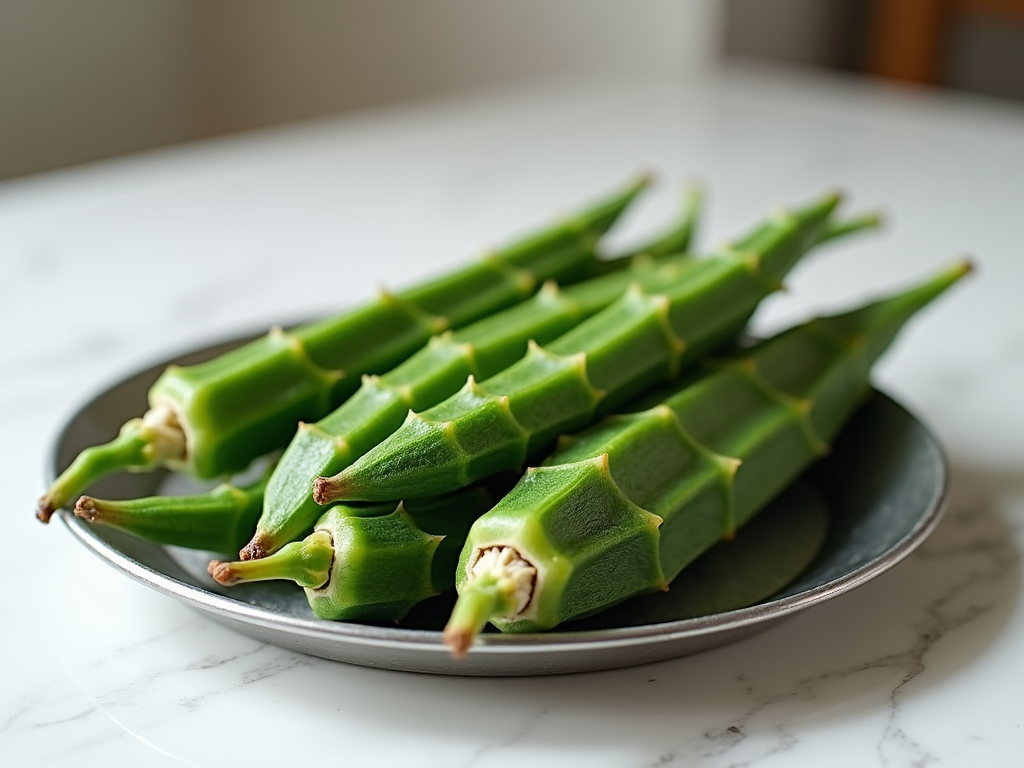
501,584
308,563
154,440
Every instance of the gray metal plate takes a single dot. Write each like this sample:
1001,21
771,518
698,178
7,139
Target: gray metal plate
884,487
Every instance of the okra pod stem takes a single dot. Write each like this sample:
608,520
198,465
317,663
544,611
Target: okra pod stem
373,562
214,418
437,371
637,342
307,563
625,506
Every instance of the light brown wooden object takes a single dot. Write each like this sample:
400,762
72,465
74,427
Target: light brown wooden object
903,39
906,38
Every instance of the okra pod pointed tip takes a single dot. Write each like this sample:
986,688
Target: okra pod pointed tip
821,206
947,277
863,222
645,178
952,275
867,220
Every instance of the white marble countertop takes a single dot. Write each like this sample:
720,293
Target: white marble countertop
106,268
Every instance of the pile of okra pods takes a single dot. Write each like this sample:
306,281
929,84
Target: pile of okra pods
411,420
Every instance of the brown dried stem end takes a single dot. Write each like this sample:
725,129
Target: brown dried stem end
327,489
254,550
45,509
222,573
85,508
458,640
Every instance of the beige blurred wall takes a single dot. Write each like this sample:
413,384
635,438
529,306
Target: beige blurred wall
81,80
85,79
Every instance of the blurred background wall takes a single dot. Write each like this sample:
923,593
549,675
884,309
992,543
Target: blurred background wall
87,79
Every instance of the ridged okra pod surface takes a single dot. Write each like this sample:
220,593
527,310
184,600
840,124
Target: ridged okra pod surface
625,506
642,339
373,562
432,374
214,418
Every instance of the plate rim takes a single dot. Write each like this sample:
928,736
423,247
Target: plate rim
399,638
528,645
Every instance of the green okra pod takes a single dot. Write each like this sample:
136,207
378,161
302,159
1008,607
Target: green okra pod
218,521
621,509
214,418
376,561
640,340
437,371
766,555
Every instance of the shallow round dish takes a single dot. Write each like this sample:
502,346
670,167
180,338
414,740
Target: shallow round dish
883,485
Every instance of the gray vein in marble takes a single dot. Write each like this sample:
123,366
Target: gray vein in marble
941,619
213,662
284,662
52,701
991,559
121,731
518,736
123,694
108,703
118,653
22,707
60,721
281,661
100,706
